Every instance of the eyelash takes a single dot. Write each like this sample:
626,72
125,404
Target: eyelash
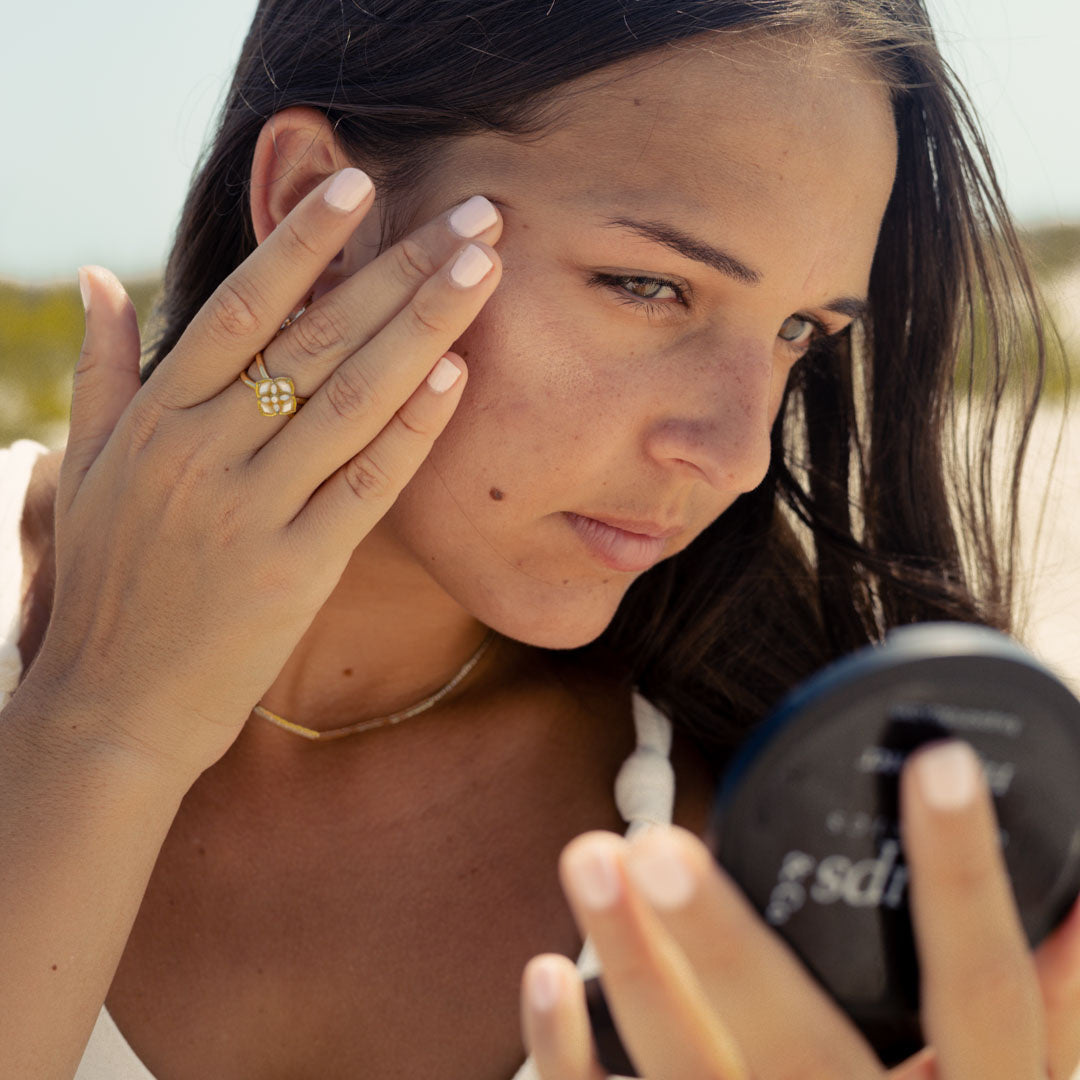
616,281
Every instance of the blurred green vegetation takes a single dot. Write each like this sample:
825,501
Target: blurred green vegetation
41,331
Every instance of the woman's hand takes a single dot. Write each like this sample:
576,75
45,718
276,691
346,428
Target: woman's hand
196,539
700,986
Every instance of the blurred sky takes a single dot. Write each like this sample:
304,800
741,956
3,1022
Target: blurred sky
106,105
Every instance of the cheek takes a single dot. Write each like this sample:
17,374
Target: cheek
538,397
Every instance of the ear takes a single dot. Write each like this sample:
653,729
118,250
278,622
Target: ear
296,150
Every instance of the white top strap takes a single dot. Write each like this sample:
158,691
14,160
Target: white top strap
645,786
16,465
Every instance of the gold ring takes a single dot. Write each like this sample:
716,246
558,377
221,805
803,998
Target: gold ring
275,395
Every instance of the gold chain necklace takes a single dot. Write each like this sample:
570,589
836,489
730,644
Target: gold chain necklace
379,721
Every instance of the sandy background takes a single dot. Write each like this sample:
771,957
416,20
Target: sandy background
1051,568
1053,565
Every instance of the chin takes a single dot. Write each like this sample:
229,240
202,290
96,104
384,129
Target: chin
558,619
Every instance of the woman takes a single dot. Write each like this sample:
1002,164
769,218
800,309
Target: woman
516,454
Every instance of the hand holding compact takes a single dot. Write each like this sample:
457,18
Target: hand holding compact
699,985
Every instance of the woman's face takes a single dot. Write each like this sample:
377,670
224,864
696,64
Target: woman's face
752,178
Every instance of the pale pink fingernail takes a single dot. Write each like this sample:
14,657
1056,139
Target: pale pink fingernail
948,775
471,266
593,875
657,867
542,985
443,375
347,190
84,289
473,216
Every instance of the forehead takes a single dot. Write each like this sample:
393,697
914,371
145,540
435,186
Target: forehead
736,133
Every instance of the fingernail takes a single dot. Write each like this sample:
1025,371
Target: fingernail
84,289
542,985
657,867
594,877
348,189
443,375
473,216
471,265
947,775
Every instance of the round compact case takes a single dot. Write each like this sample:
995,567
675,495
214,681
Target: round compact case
806,817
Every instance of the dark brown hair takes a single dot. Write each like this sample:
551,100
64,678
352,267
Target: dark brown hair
870,516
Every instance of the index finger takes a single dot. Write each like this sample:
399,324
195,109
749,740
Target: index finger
245,311
981,1007
785,1024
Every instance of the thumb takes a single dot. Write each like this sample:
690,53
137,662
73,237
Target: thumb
106,375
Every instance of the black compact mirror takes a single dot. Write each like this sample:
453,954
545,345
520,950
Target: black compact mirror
806,817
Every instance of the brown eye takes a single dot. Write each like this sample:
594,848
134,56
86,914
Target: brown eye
642,291
649,287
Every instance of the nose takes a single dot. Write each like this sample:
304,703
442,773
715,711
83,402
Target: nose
718,410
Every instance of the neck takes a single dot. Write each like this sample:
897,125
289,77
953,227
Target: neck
385,639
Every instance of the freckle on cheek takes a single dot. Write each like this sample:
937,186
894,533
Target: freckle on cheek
496,494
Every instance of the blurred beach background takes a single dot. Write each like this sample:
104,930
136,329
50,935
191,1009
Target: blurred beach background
100,155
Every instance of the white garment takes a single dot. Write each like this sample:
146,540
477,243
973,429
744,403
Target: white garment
644,787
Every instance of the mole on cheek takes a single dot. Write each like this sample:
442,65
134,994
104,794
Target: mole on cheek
496,494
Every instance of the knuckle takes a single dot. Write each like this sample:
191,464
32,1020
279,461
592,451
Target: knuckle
413,261
425,319
87,359
416,424
365,478
191,466
144,424
296,242
181,480
234,312
183,467
318,332
232,523
351,395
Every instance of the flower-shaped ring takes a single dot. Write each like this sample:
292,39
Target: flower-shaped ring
276,395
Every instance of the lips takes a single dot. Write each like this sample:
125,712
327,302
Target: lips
638,528
618,548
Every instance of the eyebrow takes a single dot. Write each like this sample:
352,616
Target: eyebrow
690,247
